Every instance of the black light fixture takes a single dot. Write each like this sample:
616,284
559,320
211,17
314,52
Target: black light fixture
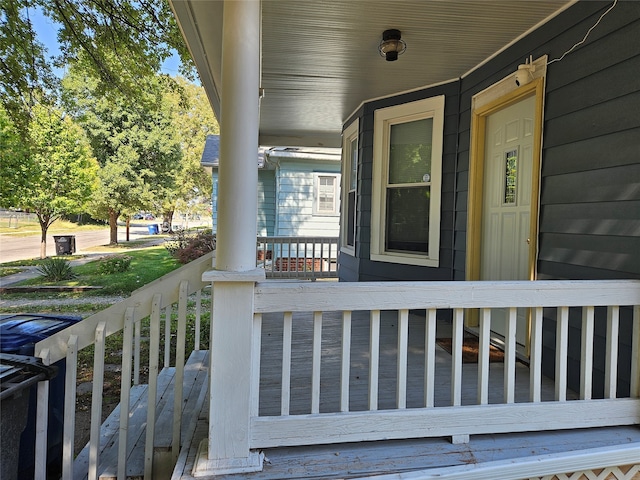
391,45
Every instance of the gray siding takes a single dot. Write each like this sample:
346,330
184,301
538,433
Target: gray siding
590,186
367,269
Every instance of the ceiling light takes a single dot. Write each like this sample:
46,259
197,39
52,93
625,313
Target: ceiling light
391,45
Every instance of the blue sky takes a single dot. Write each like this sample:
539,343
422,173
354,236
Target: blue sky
46,31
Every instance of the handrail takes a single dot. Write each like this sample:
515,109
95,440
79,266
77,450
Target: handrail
113,316
298,256
148,301
383,306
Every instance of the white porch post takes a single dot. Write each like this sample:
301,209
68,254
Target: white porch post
235,272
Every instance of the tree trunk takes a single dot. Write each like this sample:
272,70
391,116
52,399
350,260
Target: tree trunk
44,227
167,220
113,227
128,221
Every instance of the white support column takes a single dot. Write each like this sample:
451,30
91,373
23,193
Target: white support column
238,170
227,449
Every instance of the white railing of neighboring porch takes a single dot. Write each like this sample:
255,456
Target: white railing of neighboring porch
298,257
155,300
456,420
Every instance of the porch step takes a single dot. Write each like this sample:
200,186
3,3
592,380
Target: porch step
195,374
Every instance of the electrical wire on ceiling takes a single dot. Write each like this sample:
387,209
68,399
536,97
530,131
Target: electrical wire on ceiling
585,36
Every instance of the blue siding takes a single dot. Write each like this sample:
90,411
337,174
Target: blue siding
266,202
295,198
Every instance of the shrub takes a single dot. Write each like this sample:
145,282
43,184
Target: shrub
114,264
186,247
56,269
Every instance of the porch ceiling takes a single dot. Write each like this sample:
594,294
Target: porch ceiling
320,59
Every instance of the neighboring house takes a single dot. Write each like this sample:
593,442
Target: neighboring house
298,189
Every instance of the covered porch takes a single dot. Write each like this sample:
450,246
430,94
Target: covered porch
354,381
300,372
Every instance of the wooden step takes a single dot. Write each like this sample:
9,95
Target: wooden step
195,376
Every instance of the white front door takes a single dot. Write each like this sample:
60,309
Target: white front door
506,210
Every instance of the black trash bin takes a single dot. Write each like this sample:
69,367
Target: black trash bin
18,377
65,244
18,335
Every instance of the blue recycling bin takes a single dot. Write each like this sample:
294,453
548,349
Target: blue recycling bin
153,229
18,335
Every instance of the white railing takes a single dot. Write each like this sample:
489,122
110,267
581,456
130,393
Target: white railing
155,300
344,305
298,257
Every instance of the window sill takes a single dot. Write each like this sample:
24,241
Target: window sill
406,259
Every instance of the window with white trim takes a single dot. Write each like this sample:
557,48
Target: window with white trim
325,201
349,187
407,179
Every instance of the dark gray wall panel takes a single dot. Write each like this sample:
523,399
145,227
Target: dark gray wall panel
617,148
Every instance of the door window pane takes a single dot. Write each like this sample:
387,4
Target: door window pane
408,219
410,152
510,176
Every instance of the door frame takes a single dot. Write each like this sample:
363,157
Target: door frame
476,174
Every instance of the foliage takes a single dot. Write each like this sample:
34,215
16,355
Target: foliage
25,73
193,121
185,246
119,41
134,142
55,269
114,264
57,172
14,158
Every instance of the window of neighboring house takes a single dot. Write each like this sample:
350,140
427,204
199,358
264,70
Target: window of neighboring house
407,183
325,194
350,187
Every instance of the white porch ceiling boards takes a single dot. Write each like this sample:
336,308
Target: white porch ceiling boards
320,59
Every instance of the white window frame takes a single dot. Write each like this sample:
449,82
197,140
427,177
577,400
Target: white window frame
349,136
316,192
384,118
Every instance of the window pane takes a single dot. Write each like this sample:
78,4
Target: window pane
353,177
408,219
351,218
511,175
326,194
410,152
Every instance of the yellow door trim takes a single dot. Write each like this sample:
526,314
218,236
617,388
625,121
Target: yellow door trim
476,174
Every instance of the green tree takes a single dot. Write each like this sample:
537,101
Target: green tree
135,143
119,42
14,161
58,172
193,120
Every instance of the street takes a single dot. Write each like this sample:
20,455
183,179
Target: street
23,248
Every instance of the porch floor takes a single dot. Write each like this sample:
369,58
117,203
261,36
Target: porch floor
360,460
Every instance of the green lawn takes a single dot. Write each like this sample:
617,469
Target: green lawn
146,265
